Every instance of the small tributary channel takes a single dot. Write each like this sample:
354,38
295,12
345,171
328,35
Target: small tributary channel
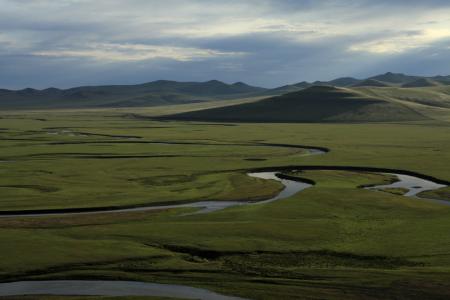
413,186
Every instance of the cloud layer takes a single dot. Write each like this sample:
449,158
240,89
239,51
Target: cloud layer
267,42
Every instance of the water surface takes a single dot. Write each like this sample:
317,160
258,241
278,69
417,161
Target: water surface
107,288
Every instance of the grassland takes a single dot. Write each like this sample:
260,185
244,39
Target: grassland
330,241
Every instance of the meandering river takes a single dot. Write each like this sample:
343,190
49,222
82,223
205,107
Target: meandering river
292,186
413,184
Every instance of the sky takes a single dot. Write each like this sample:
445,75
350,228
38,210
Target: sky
66,43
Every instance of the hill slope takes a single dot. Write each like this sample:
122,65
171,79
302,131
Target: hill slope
394,78
314,104
421,82
339,82
371,82
164,92
384,80
290,88
160,92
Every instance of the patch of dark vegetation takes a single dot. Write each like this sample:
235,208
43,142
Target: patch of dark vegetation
258,262
43,172
255,159
108,135
6,161
197,252
295,178
39,188
323,149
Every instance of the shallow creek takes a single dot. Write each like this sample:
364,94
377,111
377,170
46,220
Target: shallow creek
414,186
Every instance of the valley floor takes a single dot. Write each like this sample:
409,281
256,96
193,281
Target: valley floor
331,241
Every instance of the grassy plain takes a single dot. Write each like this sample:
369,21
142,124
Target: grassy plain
330,241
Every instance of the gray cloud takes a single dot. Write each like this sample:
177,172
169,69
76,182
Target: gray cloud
266,42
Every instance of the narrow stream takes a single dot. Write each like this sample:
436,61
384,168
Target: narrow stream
107,288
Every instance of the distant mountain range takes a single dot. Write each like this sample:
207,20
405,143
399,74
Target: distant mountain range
385,80
155,93
165,92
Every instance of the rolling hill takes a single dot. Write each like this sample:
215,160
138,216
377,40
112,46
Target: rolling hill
155,93
388,79
371,82
402,80
394,78
314,104
339,82
421,82
288,88
165,92
384,80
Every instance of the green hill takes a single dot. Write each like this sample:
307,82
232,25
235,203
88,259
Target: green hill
160,92
165,92
421,82
422,99
314,104
371,82
288,88
442,79
339,82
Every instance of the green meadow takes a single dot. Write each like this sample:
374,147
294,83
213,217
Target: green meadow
332,241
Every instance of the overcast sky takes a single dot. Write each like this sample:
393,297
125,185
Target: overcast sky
66,43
